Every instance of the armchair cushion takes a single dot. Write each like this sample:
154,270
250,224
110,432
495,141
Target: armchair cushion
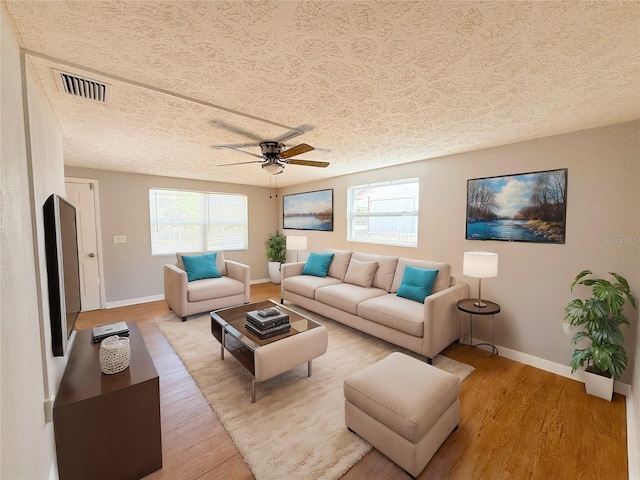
207,289
199,267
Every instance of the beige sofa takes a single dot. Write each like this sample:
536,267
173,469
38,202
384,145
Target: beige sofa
426,329
188,298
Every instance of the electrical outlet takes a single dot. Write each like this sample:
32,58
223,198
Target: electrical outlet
119,239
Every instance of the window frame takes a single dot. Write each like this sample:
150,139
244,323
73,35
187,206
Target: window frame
203,223
353,216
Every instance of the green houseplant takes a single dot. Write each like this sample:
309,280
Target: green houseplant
600,318
276,254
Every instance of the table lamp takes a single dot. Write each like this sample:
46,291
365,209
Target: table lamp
480,265
297,243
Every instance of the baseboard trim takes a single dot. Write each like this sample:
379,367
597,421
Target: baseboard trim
133,301
259,280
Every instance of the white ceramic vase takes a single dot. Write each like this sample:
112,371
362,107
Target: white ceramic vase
274,272
599,386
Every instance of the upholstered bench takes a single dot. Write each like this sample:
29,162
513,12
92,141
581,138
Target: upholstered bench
403,407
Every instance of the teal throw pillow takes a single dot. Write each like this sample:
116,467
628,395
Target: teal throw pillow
417,283
317,264
201,266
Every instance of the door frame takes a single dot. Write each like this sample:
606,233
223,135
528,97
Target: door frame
98,228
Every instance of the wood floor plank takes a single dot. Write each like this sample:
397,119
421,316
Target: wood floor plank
516,421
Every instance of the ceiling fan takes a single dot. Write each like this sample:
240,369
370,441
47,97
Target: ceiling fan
275,156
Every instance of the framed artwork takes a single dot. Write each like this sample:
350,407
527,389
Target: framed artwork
308,211
525,207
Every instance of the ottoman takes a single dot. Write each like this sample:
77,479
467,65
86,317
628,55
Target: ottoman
403,407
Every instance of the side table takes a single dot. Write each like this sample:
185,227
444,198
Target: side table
467,305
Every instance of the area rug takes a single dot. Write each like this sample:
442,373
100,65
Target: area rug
296,428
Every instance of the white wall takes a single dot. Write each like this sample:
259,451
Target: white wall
29,373
603,232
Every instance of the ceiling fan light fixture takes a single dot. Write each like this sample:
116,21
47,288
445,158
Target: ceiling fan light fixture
273,168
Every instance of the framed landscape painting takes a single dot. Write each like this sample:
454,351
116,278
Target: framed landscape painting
308,211
526,207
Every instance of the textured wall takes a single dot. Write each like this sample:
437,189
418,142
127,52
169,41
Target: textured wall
29,373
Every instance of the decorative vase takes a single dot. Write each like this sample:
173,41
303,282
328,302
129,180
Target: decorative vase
274,272
599,386
115,353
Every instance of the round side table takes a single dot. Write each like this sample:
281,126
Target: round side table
467,305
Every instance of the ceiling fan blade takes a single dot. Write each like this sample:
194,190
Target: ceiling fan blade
240,163
229,147
297,150
308,163
289,136
238,145
234,129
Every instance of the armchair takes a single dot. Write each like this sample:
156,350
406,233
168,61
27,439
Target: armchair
188,298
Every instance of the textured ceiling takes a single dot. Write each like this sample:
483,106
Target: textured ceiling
369,83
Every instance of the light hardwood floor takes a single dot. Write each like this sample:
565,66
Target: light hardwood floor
517,422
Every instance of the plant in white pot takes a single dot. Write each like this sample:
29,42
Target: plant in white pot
277,255
600,318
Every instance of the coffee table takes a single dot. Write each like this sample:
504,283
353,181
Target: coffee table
306,340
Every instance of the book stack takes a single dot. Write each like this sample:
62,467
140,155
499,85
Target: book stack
267,323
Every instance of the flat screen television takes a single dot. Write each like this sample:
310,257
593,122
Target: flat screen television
63,270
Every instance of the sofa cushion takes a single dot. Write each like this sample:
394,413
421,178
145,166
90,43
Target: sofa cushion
200,266
386,268
442,280
211,288
339,264
317,264
361,273
220,263
306,285
346,297
394,312
417,283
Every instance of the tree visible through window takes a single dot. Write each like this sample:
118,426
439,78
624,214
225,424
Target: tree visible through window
186,221
385,213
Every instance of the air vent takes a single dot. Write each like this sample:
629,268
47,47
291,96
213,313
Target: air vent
82,87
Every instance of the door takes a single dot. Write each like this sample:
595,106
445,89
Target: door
81,195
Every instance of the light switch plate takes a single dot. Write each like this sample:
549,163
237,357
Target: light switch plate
119,239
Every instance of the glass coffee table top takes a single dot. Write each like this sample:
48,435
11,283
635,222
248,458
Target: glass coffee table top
233,321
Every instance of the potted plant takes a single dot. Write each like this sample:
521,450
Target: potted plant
600,318
276,253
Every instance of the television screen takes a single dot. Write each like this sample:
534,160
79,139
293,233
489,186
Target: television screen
63,272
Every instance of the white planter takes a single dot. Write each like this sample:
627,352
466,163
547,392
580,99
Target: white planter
598,386
274,272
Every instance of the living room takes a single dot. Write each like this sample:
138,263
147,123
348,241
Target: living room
532,287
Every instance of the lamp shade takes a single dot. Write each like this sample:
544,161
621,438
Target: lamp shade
272,168
296,242
480,264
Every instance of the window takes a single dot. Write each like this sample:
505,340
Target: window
384,213
184,221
